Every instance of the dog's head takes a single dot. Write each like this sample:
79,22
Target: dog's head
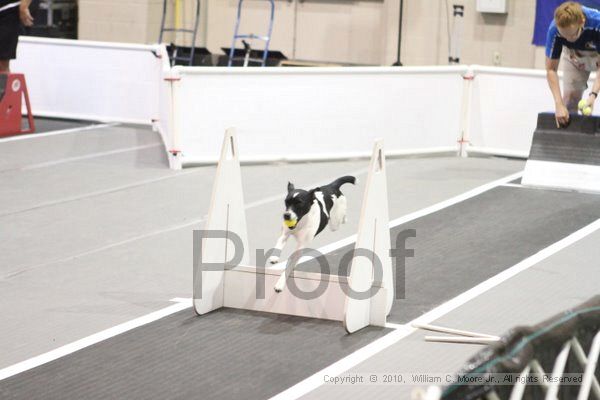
297,204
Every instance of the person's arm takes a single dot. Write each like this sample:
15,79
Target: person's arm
24,13
562,114
594,93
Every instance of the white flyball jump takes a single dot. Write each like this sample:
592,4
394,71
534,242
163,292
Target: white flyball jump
229,282
565,158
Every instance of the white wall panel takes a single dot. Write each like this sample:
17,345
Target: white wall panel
91,80
316,113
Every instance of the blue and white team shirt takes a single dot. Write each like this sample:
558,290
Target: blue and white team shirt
584,49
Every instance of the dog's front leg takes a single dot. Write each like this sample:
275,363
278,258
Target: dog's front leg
302,241
285,234
291,264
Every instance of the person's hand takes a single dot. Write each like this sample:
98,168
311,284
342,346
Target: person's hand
562,115
25,15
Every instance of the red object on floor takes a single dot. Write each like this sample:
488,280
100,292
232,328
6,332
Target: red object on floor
12,90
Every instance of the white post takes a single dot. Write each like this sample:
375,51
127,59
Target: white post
226,213
465,113
374,235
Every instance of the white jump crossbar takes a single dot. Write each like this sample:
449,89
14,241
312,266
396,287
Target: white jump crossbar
451,331
224,283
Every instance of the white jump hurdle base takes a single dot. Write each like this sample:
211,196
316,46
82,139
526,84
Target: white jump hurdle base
235,285
241,293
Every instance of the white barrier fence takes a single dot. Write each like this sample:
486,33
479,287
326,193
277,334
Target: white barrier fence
293,114
98,81
91,80
316,113
286,113
504,108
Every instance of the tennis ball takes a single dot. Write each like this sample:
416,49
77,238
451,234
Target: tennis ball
587,111
291,223
582,104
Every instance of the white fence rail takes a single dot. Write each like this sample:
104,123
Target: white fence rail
286,113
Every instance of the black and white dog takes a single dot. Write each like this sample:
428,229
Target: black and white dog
307,213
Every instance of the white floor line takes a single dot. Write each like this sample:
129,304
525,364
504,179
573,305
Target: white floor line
12,274
53,133
99,192
181,300
88,156
515,185
456,199
90,340
429,210
402,331
547,189
391,325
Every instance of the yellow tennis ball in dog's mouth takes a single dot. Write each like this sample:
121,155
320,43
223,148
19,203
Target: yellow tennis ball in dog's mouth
290,223
587,111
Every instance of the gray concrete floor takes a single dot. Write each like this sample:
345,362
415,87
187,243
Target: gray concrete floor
96,231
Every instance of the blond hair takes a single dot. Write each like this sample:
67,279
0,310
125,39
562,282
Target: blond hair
569,13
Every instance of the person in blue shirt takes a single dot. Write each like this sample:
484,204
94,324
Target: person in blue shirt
574,34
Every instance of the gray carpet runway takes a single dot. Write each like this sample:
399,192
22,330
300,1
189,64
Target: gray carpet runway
460,246
230,354
576,143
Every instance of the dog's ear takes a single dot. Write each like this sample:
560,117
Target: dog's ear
290,187
311,192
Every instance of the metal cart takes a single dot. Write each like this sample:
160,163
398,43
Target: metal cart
194,32
247,48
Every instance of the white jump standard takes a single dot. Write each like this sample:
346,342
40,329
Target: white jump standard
222,281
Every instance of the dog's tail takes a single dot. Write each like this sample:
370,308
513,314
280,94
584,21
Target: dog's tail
340,181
